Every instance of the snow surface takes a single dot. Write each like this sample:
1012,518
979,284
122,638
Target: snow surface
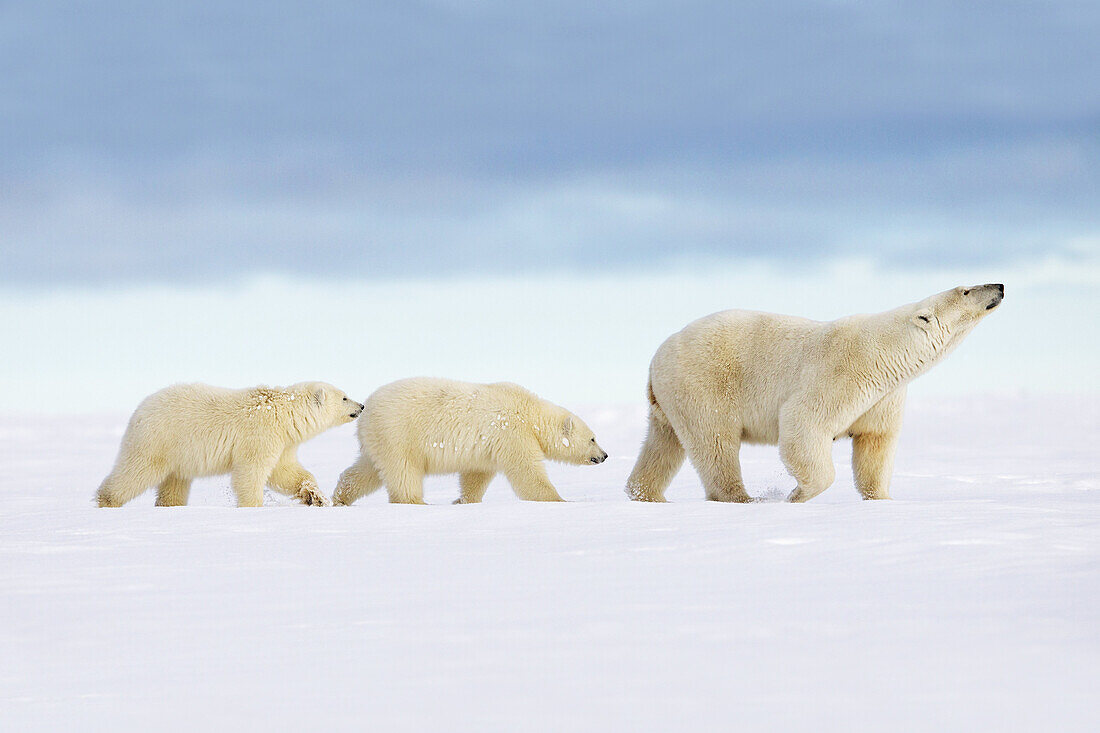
968,603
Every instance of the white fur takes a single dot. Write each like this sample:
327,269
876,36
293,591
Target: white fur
421,426
188,431
745,377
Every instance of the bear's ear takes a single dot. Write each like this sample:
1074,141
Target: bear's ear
319,396
923,318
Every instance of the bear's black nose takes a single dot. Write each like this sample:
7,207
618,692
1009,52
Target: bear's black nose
1001,287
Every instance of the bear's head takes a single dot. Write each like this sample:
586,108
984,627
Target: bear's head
328,406
931,329
566,438
948,316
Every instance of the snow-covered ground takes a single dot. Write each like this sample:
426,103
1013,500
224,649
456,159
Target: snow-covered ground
971,602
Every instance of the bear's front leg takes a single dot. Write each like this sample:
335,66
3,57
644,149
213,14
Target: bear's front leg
531,483
809,459
872,463
291,479
874,442
472,485
248,480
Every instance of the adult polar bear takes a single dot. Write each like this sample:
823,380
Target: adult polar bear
745,377
188,431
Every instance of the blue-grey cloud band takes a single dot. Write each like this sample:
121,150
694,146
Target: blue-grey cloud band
190,141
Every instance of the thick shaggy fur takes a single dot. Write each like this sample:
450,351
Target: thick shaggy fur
421,426
188,431
745,377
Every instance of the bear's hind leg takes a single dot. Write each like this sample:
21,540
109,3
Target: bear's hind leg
404,484
661,457
718,464
173,491
472,485
125,482
357,480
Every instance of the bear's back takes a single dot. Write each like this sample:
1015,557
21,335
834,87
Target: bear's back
450,425
736,355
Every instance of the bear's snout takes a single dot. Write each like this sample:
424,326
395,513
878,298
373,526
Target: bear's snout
600,458
997,297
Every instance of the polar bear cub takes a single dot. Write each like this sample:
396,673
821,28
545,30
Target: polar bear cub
189,431
745,377
421,426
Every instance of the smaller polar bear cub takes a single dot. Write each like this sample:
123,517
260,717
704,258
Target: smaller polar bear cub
421,426
189,431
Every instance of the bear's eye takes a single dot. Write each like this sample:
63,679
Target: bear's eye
593,440
924,318
966,292
345,399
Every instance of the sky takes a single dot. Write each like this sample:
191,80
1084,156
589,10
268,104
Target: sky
186,142
164,157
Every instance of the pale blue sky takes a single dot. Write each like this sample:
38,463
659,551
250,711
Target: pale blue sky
268,192
577,339
197,142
